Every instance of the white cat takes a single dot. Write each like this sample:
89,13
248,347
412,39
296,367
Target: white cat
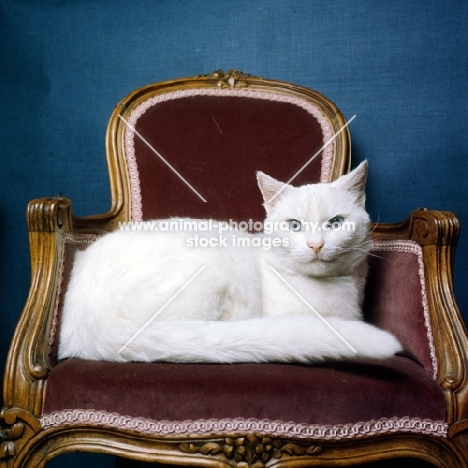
292,293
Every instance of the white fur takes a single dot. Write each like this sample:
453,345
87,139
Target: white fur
246,305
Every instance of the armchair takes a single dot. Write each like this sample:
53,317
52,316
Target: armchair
190,147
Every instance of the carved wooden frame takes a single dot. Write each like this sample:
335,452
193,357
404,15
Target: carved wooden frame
26,444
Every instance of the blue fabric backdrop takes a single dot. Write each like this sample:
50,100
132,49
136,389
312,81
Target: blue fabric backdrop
400,66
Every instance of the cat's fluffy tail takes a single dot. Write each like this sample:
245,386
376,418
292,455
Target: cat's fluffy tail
267,339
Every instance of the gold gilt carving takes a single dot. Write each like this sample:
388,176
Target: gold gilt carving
252,451
231,78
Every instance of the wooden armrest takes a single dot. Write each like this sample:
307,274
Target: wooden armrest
28,363
56,215
437,233
426,227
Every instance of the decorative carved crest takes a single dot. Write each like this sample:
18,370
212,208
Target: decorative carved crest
231,78
252,451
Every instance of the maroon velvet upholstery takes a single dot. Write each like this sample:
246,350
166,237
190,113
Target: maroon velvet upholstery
395,299
332,395
71,245
217,144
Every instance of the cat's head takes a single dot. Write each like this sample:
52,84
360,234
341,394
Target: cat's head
326,225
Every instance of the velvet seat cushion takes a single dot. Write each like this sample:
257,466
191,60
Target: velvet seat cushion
334,400
343,399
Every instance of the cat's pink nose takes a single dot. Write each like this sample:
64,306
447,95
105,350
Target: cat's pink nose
315,246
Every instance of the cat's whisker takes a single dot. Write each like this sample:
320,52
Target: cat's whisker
376,224
370,253
363,247
380,256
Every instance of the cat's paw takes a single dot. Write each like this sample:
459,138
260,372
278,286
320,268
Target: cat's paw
372,342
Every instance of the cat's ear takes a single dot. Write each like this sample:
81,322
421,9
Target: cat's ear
272,190
355,182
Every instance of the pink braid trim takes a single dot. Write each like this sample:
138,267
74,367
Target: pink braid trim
239,426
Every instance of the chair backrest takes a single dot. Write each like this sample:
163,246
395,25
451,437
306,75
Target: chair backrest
191,147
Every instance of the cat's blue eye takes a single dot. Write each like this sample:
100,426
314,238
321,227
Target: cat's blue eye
335,223
295,225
